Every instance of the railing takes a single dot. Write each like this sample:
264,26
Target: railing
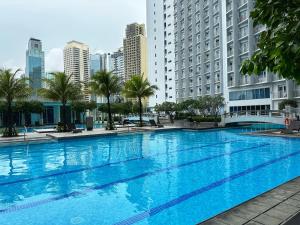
280,94
268,113
297,93
25,132
264,116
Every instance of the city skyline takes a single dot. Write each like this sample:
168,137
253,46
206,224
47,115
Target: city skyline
48,22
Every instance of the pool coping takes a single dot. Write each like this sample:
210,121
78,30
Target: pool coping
35,138
274,207
266,133
101,132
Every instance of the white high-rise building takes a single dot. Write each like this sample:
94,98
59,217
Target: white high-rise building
198,48
240,37
76,63
161,50
212,39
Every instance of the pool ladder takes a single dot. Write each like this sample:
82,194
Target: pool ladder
25,131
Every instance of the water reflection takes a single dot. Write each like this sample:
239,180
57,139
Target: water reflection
60,158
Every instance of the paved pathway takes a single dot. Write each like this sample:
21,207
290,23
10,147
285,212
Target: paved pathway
29,137
272,208
38,137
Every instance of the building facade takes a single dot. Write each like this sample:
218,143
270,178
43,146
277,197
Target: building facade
135,50
77,64
35,64
198,48
212,39
117,62
248,93
95,63
161,50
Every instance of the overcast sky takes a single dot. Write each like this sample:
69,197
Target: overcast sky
98,23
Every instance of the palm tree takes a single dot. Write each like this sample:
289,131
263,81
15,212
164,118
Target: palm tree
61,88
106,84
140,88
12,88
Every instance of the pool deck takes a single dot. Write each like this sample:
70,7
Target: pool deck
29,137
272,133
48,137
278,206
103,132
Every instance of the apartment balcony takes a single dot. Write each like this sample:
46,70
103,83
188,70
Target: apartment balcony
297,93
229,23
261,79
230,68
229,38
242,3
229,7
217,91
258,29
245,80
280,95
230,83
277,77
242,18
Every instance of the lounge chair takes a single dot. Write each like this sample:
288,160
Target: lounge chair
153,124
75,130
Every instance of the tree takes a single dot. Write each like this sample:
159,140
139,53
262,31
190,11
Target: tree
28,107
217,102
288,102
61,88
106,84
189,106
139,88
279,44
167,107
83,106
117,108
12,88
203,104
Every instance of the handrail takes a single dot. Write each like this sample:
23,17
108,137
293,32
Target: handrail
25,131
253,113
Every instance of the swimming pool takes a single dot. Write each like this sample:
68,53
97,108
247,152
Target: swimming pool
172,177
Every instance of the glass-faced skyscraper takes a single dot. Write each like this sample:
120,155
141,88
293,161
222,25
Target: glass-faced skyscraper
35,64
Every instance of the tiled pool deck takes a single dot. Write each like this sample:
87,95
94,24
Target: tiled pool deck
40,137
275,207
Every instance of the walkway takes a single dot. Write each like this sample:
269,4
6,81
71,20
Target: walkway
29,137
275,207
102,132
48,137
276,117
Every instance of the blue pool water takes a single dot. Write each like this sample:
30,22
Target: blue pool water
172,177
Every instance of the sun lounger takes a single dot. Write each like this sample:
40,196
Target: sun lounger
153,124
72,127
44,131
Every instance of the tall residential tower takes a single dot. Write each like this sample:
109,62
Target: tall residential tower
198,48
76,63
161,50
135,50
240,37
